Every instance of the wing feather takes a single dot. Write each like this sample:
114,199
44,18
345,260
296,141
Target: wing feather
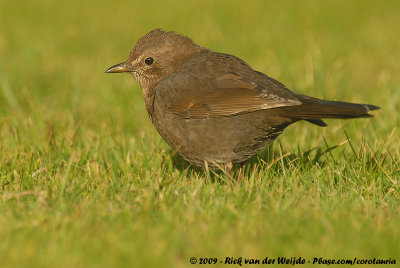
230,95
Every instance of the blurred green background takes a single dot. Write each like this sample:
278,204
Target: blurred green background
87,181
53,54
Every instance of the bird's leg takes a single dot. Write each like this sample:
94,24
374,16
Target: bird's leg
240,173
228,167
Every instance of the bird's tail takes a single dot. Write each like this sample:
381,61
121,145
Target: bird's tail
313,110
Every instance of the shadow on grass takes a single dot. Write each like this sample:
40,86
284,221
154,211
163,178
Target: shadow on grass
273,159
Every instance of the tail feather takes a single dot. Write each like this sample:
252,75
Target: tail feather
317,122
314,110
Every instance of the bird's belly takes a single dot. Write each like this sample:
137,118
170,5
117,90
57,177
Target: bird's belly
217,140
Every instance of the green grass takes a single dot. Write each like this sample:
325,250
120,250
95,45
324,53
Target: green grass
86,181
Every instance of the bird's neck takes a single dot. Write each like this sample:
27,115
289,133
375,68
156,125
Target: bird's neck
148,89
148,97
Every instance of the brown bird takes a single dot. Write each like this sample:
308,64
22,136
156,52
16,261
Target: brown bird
213,108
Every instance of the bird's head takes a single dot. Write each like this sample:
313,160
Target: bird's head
155,56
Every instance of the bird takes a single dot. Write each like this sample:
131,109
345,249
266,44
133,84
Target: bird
213,108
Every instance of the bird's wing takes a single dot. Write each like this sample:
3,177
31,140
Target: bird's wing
226,95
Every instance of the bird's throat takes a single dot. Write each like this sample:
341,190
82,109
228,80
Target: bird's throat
148,97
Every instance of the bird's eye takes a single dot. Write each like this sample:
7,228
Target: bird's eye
149,61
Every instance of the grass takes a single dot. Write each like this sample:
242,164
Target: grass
86,181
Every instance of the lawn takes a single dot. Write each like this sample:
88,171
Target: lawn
86,181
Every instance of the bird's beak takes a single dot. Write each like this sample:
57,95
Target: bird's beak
121,68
